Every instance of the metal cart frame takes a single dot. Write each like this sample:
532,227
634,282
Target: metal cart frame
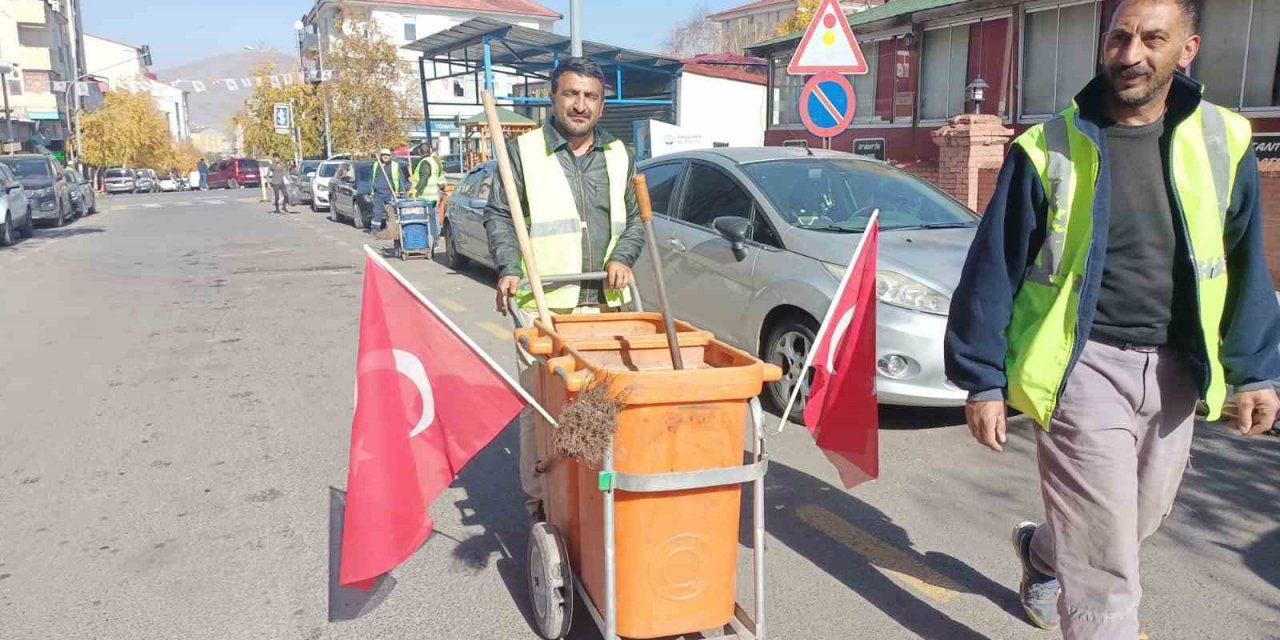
742,626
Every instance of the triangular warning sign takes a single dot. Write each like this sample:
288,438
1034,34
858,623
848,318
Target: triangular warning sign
828,45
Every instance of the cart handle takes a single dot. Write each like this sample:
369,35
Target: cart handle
572,277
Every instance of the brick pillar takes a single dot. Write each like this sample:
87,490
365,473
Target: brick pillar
1269,172
967,145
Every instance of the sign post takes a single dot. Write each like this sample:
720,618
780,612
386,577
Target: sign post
828,52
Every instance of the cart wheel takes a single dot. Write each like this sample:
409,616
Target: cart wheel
399,249
550,582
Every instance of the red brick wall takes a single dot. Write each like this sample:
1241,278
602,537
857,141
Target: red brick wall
1271,216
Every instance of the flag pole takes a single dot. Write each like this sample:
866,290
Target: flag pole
822,328
369,251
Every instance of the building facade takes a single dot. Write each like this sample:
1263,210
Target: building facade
1034,55
121,67
36,39
406,21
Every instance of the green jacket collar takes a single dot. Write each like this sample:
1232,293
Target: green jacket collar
555,141
1185,96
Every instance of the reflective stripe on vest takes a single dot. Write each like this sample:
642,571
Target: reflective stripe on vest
1042,332
394,182
556,227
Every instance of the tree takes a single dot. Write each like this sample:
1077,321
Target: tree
257,119
798,21
127,130
185,156
696,34
369,96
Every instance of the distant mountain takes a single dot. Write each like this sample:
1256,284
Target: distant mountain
215,107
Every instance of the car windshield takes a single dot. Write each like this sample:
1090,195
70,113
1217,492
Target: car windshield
364,172
28,167
308,166
327,169
247,163
116,173
839,195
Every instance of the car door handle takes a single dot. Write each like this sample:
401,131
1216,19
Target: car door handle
675,243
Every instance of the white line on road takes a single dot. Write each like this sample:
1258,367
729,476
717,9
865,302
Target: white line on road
151,205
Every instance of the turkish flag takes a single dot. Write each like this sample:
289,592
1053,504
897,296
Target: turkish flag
427,400
841,410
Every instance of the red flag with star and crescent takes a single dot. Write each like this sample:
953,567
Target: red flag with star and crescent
427,400
841,410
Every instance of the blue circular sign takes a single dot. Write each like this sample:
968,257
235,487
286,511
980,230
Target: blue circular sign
827,104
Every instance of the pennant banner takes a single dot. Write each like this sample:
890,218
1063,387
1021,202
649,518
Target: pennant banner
277,81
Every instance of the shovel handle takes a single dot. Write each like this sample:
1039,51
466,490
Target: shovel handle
642,197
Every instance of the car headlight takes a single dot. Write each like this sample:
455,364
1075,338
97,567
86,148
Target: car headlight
44,193
902,291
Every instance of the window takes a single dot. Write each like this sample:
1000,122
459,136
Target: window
485,186
864,86
945,72
410,30
762,230
1241,72
786,93
662,183
14,80
458,90
712,194
33,35
1059,56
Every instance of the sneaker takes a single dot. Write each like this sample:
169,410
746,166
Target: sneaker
1037,591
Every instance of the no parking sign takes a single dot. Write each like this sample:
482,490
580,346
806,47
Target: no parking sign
828,50
827,104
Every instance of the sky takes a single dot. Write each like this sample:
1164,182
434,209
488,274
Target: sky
180,31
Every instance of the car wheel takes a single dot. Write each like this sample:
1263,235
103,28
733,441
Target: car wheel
6,231
314,208
93,208
457,261
29,227
357,218
232,184
788,346
61,221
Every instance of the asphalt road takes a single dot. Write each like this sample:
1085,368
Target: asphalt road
175,403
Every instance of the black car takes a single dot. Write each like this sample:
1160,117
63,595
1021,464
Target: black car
351,192
46,185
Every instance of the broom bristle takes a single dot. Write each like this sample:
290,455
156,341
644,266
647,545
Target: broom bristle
588,423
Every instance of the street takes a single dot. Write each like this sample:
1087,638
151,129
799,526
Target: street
175,412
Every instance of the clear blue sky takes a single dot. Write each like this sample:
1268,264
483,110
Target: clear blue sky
180,31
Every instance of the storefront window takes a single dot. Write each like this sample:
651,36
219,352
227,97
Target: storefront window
944,68
864,86
1059,56
786,93
1240,72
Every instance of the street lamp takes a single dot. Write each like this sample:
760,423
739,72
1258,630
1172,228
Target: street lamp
977,91
5,69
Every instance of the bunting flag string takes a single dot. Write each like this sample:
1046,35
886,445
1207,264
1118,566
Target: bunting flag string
277,81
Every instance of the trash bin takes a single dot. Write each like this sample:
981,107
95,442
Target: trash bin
412,215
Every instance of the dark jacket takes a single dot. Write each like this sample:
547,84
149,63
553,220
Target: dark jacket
382,180
590,187
1013,229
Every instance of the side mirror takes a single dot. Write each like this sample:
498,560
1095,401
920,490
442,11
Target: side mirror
735,230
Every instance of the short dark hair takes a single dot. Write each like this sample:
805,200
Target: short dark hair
580,66
1190,10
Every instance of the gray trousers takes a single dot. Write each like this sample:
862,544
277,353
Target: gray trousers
1110,466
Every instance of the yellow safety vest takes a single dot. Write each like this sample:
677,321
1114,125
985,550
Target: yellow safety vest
395,175
555,226
1205,150
430,191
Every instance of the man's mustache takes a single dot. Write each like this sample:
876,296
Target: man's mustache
1131,73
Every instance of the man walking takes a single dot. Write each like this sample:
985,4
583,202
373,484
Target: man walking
427,177
280,186
1116,281
387,185
203,169
574,180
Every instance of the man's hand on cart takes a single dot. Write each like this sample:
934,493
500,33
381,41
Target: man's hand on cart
619,275
507,287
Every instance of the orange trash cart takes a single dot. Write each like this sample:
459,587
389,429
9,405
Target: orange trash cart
648,543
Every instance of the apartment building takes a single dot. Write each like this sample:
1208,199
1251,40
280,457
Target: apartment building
38,44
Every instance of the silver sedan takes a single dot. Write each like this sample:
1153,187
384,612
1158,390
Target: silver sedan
754,242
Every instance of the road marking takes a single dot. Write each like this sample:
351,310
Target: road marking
215,202
495,330
451,305
150,205
889,559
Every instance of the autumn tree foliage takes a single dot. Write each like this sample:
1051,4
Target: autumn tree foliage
368,97
798,21
256,120
127,130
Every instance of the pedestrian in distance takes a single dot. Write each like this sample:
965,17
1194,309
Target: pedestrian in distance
203,169
280,186
427,178
583,219
1116,283
389,181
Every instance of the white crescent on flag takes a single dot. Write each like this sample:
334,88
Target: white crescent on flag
837,335
409,366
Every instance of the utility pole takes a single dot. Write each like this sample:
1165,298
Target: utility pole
575,27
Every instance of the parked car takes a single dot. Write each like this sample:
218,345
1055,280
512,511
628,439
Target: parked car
463,231
321,185
83,198
119,180
234,173
350,193
45,184
145,181
168,183
306,174
804,212
15,214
